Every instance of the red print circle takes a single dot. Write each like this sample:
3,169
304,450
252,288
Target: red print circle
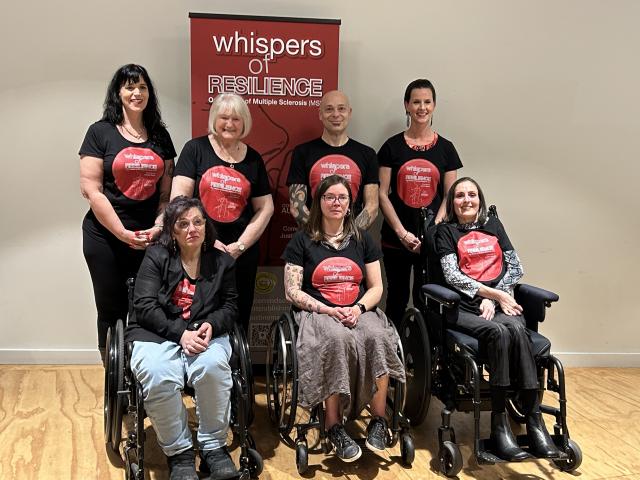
417,182
338,280
480,256
339,165
224,193
136,172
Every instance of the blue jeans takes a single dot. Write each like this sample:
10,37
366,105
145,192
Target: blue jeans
163,369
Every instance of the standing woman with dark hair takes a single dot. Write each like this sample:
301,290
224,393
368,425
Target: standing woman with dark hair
231,180
126,165
417,168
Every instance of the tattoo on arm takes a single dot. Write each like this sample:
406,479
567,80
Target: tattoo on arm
298,203
292,284
363,220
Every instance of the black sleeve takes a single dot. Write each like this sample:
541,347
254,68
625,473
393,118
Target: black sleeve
93,144
223,318
294,251
372,251
453,159
187,162
445,242
149,313
372,168
261,187
297,175
384,155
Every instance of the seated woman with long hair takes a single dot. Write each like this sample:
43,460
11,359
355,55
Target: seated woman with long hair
479,262
346,347
184,307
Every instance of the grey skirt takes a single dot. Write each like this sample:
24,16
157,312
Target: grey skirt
334,359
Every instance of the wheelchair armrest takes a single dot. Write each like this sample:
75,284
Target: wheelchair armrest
534,301
441,294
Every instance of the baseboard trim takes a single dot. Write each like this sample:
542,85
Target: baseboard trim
38,356
600,359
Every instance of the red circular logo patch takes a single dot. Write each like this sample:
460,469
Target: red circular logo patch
480,256
338,280
136,172
417,182
224,193
336,165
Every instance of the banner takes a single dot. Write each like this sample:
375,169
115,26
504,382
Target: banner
281,67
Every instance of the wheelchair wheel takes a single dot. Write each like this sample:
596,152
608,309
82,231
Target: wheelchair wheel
114,383
240,349
575,458
255,463
450,459
282,374
302,457
417,353
407,449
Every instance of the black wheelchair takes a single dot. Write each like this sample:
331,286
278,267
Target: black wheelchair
282,400
123,397
448,364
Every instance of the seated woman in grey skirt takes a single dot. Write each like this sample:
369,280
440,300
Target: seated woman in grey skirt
346,346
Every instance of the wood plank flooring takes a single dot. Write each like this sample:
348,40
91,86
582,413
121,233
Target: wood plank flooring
51,428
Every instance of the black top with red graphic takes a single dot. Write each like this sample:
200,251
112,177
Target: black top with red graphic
417,180
313,161
225,189
131,171
183,296
479,252
333,277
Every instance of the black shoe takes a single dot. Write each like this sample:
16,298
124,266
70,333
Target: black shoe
346,449
377,434
219,463
505,443
540,442
182,466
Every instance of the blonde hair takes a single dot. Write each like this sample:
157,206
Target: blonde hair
237,105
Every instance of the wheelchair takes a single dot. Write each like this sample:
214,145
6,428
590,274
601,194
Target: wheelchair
123,397
448,364
282,400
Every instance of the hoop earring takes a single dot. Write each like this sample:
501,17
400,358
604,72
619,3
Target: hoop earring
408,119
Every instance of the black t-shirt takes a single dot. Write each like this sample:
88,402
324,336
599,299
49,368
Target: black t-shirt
313,161
333,277
131,171
479,252
225,189
417,180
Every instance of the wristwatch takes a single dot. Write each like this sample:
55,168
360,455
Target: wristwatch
241,246
362,307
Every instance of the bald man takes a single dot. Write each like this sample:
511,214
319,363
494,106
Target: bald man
334,152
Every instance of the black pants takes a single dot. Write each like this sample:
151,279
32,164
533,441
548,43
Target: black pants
246,269
505,341
398,264
111,262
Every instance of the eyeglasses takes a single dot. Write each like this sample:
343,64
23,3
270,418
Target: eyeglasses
196,222
332,198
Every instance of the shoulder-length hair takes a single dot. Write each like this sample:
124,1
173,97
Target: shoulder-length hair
237,105
112,113
174,210
451,216
314,226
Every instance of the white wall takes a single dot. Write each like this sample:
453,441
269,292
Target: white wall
538,97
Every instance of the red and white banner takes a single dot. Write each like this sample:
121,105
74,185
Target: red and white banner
281,67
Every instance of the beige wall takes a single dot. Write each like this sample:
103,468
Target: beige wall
538,97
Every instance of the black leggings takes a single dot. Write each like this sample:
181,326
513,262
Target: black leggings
111,262
246,269
398,264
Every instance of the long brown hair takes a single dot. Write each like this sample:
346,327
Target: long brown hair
314,226
451,216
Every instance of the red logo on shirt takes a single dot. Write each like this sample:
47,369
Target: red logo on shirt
338,280
417,182
136,172
336,165
480,256
224,193
183,297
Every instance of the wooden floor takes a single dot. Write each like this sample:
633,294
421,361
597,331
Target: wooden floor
51,428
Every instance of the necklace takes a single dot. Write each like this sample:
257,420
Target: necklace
134,134
228,153
334,236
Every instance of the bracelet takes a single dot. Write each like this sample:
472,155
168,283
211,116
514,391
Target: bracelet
159,225
405,234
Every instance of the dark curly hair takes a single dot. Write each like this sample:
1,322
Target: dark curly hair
175,209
